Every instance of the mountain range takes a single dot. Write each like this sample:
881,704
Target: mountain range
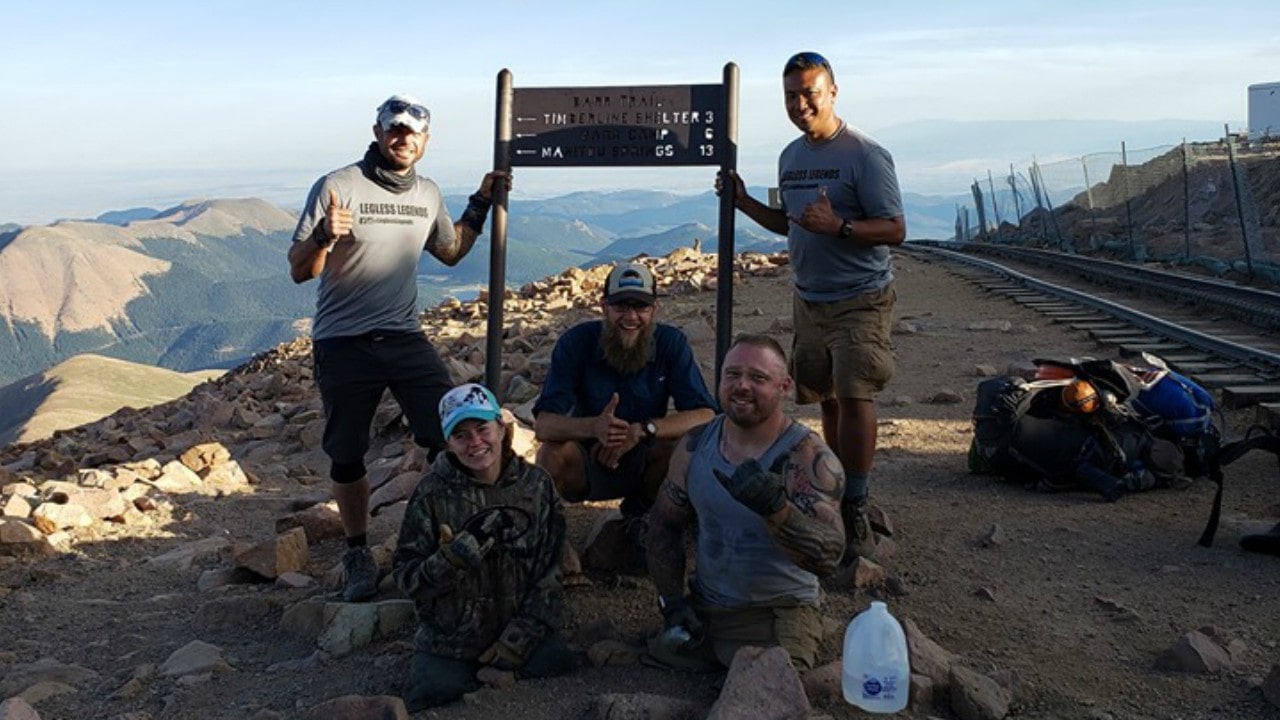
204,284
197,286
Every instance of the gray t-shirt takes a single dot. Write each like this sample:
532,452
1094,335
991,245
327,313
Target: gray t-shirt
738,563
861,183
370,280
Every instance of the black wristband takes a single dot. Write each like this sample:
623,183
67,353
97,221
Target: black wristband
321,237
477,212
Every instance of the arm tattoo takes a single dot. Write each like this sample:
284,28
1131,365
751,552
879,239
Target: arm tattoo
677,495
813,545
668,519
452,254
811,534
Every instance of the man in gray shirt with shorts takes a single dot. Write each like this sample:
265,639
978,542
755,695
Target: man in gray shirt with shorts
841,211
361,232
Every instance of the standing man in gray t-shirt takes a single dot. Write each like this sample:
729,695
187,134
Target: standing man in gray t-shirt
841,210
362,231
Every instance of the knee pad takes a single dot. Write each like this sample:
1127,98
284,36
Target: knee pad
344,473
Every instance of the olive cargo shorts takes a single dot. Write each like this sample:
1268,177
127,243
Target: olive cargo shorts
843,349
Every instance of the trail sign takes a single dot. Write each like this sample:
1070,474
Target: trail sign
612,126
663,125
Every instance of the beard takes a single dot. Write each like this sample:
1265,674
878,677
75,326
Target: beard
752,416
626,360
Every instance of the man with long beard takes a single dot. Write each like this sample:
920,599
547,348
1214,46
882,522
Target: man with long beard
763,494
603,417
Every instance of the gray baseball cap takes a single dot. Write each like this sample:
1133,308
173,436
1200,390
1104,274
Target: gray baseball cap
630,281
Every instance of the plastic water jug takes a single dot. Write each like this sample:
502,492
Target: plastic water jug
876,670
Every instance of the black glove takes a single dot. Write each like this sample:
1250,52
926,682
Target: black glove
757,488
463,551
678,614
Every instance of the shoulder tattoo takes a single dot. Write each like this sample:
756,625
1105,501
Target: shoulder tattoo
828,474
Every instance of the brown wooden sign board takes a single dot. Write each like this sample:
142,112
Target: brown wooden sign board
618,126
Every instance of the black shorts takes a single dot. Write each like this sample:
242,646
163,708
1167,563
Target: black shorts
627,479
352,374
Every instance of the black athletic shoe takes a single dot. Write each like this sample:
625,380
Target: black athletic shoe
859,539
361,574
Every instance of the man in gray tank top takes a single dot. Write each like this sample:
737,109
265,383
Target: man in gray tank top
361,232
762,492
841,212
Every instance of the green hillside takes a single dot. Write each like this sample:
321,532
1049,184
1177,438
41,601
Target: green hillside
83,389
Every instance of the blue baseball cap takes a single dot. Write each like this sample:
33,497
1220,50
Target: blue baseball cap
468,402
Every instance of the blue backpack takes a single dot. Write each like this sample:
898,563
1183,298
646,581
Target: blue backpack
1184,409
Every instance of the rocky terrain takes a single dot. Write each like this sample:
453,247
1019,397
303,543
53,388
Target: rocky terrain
177,561
1162,201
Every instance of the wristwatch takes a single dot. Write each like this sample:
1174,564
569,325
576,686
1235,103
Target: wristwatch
846,229
650,430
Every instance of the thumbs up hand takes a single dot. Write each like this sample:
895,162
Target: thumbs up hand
609,430
337,219
752,485
463,550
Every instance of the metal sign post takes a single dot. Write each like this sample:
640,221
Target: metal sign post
498,239
653,125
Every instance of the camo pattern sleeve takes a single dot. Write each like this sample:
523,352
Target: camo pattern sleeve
543,604
417,565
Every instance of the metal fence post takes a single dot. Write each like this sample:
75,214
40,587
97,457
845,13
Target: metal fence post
982,214
1017,200
1040,212
1186,203
1128,206
1057,231
1236,185
995,209
1093,207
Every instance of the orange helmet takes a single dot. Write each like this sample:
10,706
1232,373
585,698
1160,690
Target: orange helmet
1080,396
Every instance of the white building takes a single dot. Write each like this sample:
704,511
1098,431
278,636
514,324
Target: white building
1264,110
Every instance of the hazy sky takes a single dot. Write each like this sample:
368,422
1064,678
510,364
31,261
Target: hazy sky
107,105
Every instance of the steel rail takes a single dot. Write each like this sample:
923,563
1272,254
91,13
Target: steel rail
1258,307
1262,362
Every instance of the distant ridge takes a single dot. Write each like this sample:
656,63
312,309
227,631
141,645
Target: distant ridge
124,217
85,389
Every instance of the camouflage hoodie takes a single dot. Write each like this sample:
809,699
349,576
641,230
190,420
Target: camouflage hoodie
463,612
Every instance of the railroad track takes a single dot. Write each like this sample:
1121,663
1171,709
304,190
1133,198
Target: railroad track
1217,333
1256,307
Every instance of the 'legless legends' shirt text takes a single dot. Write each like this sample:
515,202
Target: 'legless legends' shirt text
370,280
861,183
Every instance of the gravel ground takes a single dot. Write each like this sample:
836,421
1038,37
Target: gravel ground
1076,601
